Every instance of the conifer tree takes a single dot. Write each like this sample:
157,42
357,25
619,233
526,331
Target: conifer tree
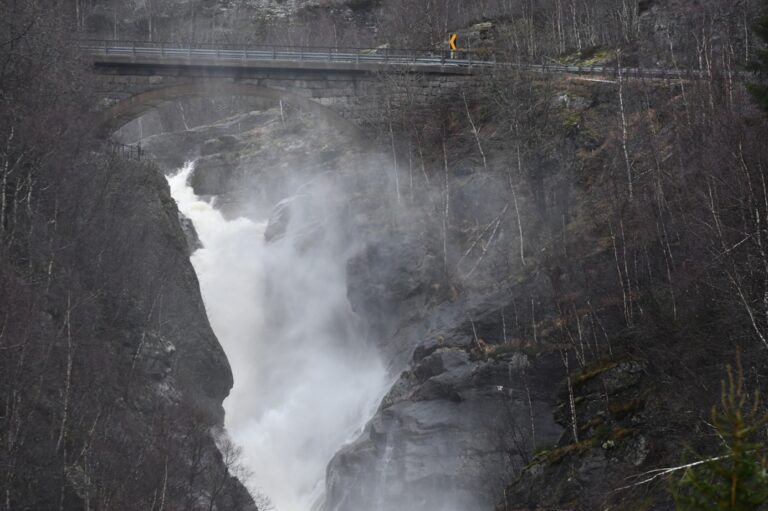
759,64
738,479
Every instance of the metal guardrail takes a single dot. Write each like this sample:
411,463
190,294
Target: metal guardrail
383,57
245,53
129,152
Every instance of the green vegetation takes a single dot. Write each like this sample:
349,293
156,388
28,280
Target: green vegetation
594,370
621,410
759,65
571,119
598,57
604,437
589,57
738,479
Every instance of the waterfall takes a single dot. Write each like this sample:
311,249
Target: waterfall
305,380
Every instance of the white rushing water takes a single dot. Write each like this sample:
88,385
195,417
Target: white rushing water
304,379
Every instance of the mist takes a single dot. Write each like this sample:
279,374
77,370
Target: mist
305,378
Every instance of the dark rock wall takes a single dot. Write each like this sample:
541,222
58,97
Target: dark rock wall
115,378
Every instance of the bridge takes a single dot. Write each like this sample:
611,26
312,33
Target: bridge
348,88
344,87
110,53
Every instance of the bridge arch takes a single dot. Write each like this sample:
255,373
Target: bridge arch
129,109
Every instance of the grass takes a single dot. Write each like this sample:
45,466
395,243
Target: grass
621,410
588,57
599,56
571,119
552,456
501,351
590,372
603,435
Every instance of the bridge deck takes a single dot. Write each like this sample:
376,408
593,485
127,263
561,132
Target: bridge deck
234,59
141,53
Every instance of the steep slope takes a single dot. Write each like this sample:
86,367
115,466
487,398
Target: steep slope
538,331
119,381
565,267
111,380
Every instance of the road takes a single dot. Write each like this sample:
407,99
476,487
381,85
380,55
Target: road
375,59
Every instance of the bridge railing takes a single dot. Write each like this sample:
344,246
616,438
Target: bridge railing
248,52
468,60
129,152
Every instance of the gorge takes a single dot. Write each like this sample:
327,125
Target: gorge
282,317
289,282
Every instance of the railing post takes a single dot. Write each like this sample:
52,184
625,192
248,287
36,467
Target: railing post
133,49
386,54
274,53
301,53
106,48
162,49
357,56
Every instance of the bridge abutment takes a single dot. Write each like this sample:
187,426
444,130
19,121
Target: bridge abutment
362,99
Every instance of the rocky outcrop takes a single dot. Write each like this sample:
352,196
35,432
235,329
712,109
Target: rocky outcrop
387,281
250,162
587,471
520,379
136,383
190,234
469,406
453,426
172,149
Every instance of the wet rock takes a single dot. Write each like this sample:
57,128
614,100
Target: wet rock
447,434
255,160
277,225
385,280
212,173
188,228
171,150
220,144
301,220
582,473
440,361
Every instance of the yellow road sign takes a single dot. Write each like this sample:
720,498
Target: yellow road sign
452,42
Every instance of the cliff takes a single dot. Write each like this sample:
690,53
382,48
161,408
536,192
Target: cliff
542,344
554,270
111,380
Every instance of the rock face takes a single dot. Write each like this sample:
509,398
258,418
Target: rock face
468,407
610,442
519,380
173,149
452,427
254,160
393,281
146,377
188,228
110,16
464,416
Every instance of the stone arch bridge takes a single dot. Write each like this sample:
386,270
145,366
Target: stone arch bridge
348,89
